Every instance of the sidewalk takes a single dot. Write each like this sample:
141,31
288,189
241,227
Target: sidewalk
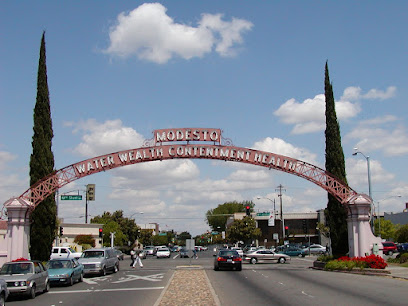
189,285
398,272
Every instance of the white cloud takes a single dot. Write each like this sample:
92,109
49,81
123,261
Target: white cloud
393,142
309,116
355,93
279,146
102,138
150,34
357,175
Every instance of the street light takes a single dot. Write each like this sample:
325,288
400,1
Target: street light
274,213
369,184
379,221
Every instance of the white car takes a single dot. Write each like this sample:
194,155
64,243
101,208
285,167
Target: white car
239,250
314,249
163,252
64,252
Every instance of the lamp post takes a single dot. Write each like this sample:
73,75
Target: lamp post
369,185
379,219
274,213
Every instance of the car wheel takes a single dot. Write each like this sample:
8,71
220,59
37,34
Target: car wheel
2,300
282,260
70,281
253,261
81,278
390,253
31,294
47,287
116,268
103,272
239,268
216,268
301,255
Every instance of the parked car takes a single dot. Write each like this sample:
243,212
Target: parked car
4,293
143,254
99,261
266,256
402,247
25,277
120,254
65,271
158,247
293,251
149,249
183,253
239,250
314,249
162,253
64,252
389,247
227,259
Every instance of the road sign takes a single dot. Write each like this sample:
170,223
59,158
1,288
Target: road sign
214,233
71,197
262,214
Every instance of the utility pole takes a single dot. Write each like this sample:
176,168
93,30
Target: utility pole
280,189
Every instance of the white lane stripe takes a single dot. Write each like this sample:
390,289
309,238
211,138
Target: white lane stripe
106,290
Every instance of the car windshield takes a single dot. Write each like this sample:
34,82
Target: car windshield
17,268
59,264
92,254
228,253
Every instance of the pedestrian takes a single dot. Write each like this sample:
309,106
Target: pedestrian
195,253
138,260
132,257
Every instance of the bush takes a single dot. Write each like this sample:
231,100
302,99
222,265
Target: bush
347,263
85,239
325,258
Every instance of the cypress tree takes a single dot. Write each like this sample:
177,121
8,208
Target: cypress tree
43,218
336,213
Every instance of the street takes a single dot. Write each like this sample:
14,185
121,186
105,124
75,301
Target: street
292,283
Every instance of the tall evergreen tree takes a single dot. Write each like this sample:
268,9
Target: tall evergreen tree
336,212
43,218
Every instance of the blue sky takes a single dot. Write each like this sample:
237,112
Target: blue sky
119,70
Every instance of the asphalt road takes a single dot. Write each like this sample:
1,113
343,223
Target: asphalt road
261,284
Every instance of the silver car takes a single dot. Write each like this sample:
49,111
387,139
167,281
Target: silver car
266,256
27,277
99,261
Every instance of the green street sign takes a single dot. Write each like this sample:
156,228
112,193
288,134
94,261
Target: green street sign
214,233
263,214
71,197
162,234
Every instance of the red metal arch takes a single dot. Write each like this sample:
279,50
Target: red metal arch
48,185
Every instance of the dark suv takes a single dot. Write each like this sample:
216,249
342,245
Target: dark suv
389,247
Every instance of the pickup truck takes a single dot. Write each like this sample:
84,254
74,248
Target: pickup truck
64,252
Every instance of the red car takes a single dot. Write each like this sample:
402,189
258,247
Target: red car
389,247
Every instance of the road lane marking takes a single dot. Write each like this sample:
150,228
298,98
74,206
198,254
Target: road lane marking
150,278
106,290
307,294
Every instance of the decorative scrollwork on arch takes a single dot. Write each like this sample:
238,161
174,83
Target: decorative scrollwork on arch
227,141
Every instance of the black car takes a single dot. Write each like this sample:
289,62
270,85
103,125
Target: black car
402,247
228,259
183,253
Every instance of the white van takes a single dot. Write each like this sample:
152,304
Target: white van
64,252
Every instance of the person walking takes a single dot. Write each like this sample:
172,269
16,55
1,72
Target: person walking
138,260
132,257
195,253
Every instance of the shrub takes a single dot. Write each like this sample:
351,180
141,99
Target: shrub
325,258
347,263
85,239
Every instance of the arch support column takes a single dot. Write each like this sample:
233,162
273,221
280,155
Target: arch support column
362,241
18,228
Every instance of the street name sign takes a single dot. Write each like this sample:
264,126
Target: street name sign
71,197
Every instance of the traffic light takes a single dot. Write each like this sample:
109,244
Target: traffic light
304,225
248,210
90,192
61,230
100,233
286,231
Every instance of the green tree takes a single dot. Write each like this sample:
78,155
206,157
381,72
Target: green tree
401,234
388,229
243,230
183,237
44,217
127,228
217,217
336,212
145,237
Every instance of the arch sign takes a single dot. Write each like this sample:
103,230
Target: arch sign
193,143
204,143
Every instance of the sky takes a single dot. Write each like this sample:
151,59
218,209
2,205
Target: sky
118,70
